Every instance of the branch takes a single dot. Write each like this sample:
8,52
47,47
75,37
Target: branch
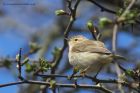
109,10
66,32
18,59
57,85
102,7
114,37
92,78
12,83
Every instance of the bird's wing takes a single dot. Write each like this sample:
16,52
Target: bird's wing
92,47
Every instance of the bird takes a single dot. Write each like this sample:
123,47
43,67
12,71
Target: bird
87,55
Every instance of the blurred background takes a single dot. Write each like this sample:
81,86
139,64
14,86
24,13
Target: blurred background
23,22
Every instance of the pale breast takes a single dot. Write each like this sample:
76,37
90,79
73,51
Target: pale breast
83,59
91,60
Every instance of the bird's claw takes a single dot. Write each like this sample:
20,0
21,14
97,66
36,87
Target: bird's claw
83,73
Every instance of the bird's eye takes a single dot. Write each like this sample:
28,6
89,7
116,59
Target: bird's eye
75,39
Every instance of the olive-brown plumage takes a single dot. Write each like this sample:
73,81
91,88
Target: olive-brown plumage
89,55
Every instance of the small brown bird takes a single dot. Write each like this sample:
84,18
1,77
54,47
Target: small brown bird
89,55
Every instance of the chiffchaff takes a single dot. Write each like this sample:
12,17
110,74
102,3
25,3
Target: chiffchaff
89,55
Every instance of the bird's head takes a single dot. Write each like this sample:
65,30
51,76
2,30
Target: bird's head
76,39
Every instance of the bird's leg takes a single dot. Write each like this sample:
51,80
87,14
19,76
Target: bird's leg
95,77
98,72
83,72
71,76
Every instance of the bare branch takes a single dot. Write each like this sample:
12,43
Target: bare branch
114,37
92,78
102,8
57,85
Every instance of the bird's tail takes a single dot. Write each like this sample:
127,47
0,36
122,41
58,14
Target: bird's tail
118,57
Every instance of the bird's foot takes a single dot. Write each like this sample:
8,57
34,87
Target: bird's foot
71,76
83,73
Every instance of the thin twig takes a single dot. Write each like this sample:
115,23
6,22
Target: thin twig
19,64
114,37
108,10
102,7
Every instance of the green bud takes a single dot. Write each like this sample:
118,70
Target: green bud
130,72
45,69
76,69
52,84
44,65
104,22
7,63
90,25
34,47
17,57
26,60
60,12
28,68
123,77
56,51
